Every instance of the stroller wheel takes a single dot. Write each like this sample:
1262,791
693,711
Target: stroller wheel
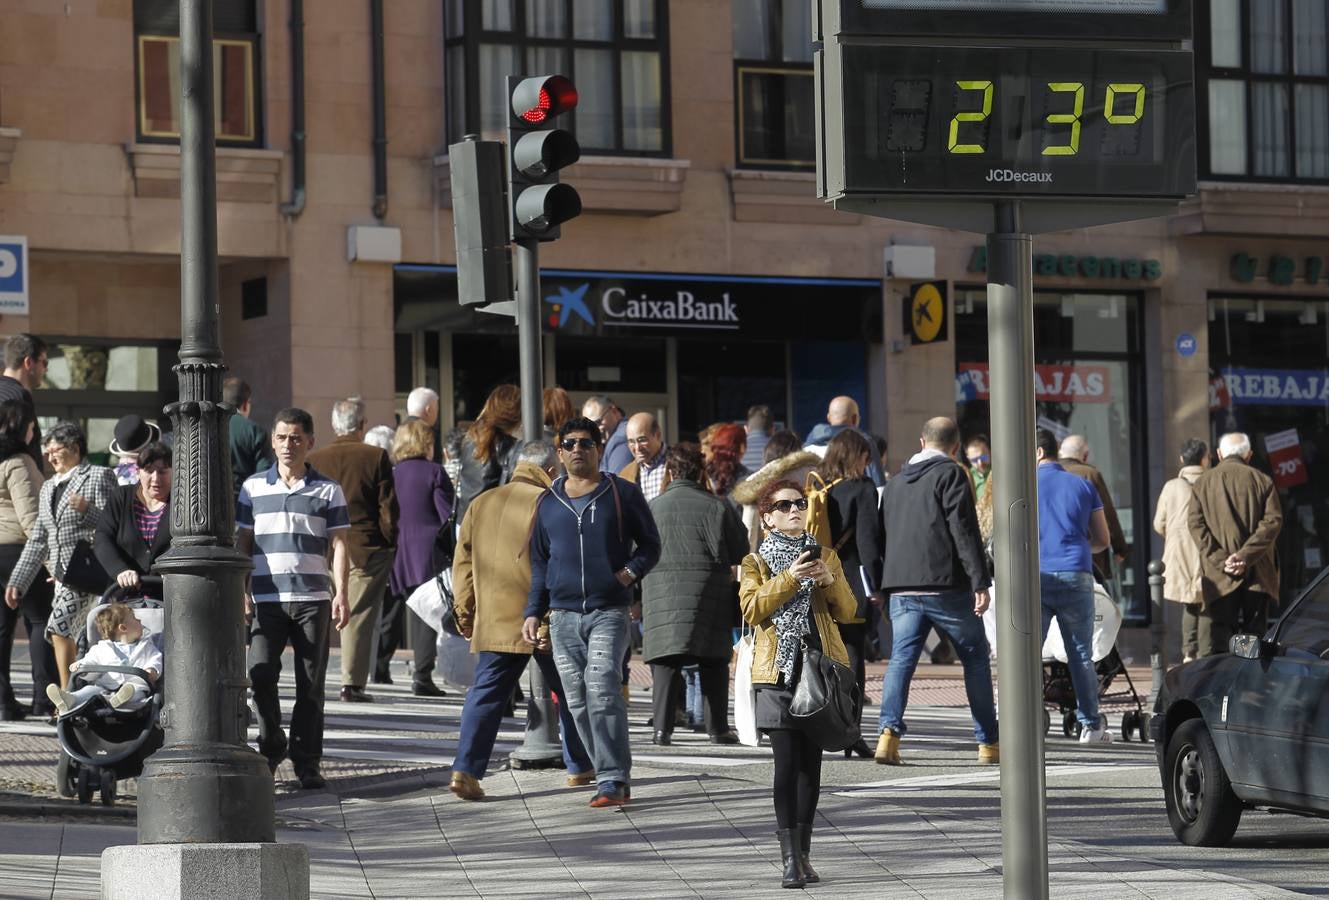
1129,723
66,776
1070,726
108,788
1143,719
1047,721
85,785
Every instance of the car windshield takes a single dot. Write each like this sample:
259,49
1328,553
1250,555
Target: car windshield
1305,629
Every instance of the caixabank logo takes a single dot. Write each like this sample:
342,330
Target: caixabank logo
622,309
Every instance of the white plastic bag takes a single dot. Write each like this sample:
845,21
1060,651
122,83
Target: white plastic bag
426,601
1107,622
745,698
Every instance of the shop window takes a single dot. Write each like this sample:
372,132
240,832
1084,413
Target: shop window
1088,381
1265,64
234,71
774,87
615,51
1269,379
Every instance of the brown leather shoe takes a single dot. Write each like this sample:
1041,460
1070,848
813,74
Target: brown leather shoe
352,694
581,779
466,786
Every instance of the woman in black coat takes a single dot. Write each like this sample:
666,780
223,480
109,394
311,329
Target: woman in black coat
856,536
489,451
135,528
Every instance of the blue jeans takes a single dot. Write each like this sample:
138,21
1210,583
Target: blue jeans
1070,597
496,674
588,650
912,615
693,705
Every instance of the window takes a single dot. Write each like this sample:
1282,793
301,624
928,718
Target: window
1265,65
613,50
234,71
1305,628
776,110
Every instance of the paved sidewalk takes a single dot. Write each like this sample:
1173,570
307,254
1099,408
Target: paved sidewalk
684,835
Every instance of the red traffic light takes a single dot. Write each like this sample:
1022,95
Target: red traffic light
536,100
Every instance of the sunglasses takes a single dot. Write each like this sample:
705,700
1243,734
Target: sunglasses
574,443
981,458
785,506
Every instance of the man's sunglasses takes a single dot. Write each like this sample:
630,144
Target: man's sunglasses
574,443
785,505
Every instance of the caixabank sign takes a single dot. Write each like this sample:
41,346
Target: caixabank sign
615,302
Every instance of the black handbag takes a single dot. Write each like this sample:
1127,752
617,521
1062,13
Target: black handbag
83,572
825,703
449,616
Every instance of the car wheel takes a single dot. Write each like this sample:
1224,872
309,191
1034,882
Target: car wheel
1201,807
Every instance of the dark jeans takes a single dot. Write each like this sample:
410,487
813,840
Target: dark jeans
496,674
398,617
305,626
714,687
1241,612
34,609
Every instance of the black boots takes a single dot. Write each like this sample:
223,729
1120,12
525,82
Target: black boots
804,846
792,856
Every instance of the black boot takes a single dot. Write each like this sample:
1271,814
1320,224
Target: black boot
792,858
805,846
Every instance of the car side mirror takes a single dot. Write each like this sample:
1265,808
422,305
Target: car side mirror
1247,646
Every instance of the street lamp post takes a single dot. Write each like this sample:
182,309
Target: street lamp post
205,785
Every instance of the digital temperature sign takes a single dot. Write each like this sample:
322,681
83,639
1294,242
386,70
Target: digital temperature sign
1027,121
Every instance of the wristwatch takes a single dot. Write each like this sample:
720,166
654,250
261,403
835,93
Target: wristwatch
631,574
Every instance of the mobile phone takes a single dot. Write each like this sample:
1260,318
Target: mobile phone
813,551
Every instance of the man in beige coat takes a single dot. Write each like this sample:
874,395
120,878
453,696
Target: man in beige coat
1235,518
1181,558
491,578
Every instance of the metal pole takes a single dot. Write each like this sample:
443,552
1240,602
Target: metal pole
1157,628
205,785
526,258
540,748
1019,657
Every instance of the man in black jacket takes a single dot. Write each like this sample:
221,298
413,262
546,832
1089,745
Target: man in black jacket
935,574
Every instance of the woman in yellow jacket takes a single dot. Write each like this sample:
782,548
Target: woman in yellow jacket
791,597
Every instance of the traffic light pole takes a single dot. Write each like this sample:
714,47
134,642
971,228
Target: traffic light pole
526,260
1015,497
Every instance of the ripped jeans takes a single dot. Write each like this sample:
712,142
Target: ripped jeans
588,650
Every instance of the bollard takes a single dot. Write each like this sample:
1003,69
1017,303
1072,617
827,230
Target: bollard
1157,628
540,749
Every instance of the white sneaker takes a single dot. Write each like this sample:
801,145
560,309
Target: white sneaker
1096,736
61,699
121,695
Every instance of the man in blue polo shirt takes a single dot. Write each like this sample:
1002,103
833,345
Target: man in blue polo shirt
288,517
1071,528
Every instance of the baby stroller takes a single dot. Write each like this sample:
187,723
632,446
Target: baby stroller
1058,690
98,743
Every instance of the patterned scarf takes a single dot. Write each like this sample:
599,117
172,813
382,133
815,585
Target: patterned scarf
779,551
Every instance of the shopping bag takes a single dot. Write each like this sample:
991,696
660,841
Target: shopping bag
433,603
745,698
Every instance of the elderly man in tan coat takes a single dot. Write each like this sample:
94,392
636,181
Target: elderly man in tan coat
491,577
1235,518
1181,558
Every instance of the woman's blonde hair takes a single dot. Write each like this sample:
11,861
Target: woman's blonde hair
111,618
414,439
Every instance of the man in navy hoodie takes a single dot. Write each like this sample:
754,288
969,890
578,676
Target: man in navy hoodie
593,538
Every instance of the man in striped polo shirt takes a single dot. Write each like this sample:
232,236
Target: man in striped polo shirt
288,517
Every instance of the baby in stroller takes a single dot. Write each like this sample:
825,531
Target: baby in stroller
123,643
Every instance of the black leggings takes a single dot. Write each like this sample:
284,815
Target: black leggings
797,777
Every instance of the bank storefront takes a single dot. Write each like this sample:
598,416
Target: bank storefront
694,349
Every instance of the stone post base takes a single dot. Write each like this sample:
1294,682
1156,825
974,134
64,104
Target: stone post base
206,871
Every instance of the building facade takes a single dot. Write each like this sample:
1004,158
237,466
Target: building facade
703,275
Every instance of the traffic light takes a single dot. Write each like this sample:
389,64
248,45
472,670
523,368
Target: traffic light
480,221
537,153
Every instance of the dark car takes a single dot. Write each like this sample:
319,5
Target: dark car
1249,728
